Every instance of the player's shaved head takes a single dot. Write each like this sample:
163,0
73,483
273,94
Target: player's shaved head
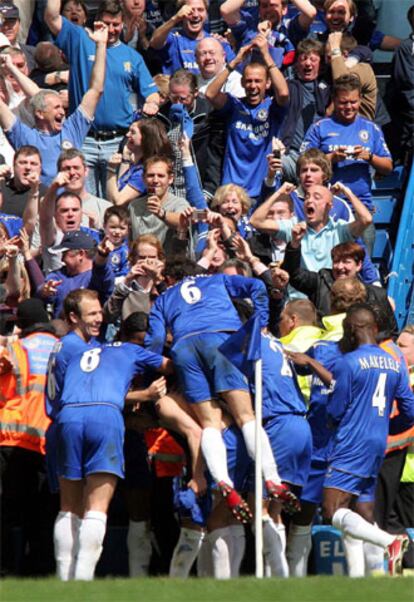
360,327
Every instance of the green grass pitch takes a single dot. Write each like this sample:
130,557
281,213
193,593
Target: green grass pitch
318,589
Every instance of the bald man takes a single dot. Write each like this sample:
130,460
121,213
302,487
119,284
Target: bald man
211,59
319,233
366,381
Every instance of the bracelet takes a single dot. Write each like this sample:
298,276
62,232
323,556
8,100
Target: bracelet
162,214
111,169
229,68
336,52
273,66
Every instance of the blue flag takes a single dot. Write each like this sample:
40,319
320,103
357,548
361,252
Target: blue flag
243,347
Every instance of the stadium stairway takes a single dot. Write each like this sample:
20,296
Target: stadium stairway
400,282
387,202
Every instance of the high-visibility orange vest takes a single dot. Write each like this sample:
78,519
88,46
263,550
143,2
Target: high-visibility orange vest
406,438
23,420
167,455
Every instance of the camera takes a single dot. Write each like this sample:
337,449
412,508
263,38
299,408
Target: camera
199,215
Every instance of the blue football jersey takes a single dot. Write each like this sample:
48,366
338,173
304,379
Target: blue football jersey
367,381
179,51
69,346
328,134
281,394
326,353
203,304
104,374
249,140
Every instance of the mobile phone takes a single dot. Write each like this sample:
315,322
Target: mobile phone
276,153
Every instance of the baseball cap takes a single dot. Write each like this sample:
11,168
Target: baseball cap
30,312
9,11
76,240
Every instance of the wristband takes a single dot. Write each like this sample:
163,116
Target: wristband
336,52
229,68
273,66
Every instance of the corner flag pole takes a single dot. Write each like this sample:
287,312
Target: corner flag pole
258,470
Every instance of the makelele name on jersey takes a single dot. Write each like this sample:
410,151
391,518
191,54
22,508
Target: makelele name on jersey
378,361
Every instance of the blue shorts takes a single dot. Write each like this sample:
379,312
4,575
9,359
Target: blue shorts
291,441
362,487
90,440
137,466
239,463
312,491
202,370
51,457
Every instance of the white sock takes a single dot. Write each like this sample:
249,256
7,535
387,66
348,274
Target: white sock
374,559
221,540
204,559
215,454
91,536
139,548
185,552
299,546
354,553
65,536
353,524
274,547
238,546
269,468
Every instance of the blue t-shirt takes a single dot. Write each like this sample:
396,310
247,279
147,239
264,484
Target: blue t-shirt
367,381
12,223
329,134
203,304
70,345
104,374
99,278
249,139
281,394
134,177
179,52
50,146
126,72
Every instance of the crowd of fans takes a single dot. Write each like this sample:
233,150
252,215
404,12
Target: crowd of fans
241,137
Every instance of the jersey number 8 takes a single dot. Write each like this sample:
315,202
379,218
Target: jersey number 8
90,360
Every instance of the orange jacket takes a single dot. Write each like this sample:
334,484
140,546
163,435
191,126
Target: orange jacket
167,455
23,420
406,438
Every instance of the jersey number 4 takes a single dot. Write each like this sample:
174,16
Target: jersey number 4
378,399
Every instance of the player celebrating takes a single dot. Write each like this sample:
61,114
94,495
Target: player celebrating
200,313
367,380
90,431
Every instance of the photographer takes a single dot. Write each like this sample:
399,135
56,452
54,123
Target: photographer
353,144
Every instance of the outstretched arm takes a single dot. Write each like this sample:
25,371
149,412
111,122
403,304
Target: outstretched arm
97,81
28,86
159,37
53,17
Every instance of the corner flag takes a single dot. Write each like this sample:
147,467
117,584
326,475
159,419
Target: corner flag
243,347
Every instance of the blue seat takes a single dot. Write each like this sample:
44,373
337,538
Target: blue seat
384,209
